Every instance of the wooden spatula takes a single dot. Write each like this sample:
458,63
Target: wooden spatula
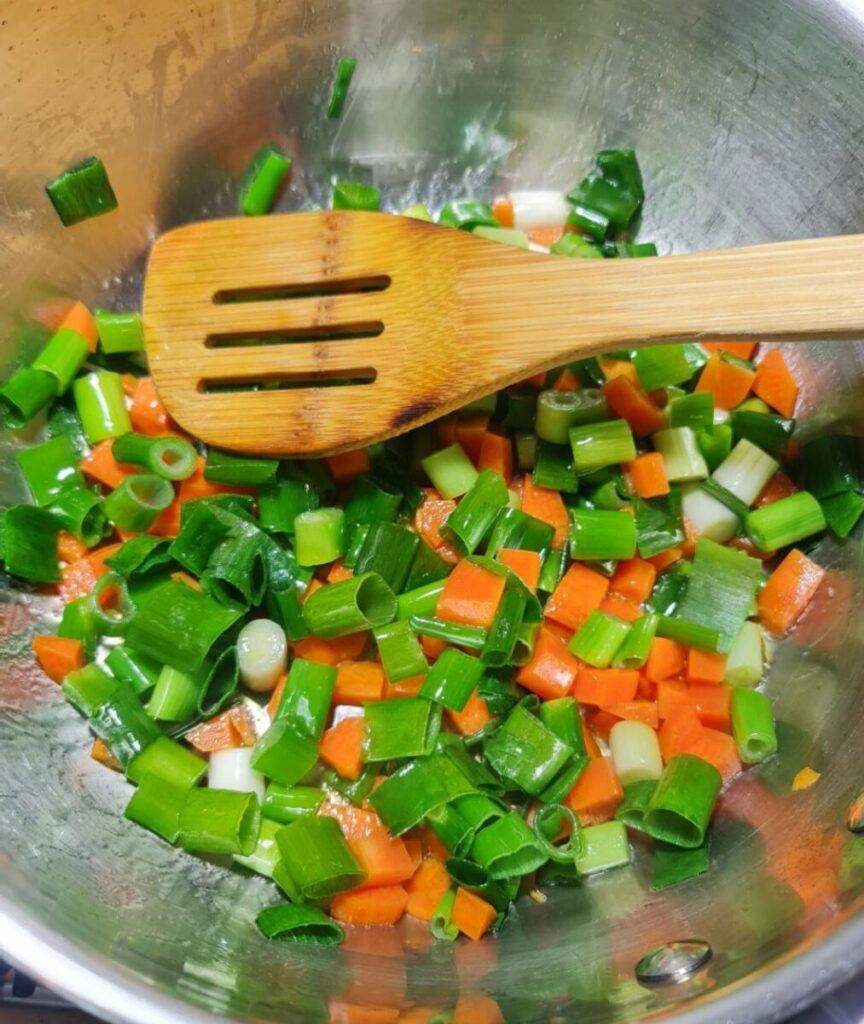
313,333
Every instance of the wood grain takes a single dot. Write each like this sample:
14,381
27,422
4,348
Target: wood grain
461,317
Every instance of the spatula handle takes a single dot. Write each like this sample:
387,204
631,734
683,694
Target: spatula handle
553,311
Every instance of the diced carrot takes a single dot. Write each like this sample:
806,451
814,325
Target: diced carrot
665,660
548,505
496,452
806,778
779,486
276,696
617,369
471,596
432,647
728,383
621,608
502,211
545,236
217,733
678,731
409,687
195,486
58,656
358,682
647,474
331,652
147,413
78,577
646,690
100,465
79,319
567,381
717,748
381,906
432,845
341,745
431,515
629,402
789,590
644,711
711,703
705,666
591,748
602,721
538,380
471,719
445,429
340,1012
743,543
526,564
472,915
741,349
69,548
597,792
426,889
663,559
580,592
347,466
605,686
385,859
338,571
355,822
470,431
314,584
774,384
552,669
477,1010
634,579
101,752
415,852
243,724
672,695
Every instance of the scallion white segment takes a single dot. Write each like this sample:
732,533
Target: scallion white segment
744,662
635,751
232,769
681,455
539,209
708,516
745,471
262,654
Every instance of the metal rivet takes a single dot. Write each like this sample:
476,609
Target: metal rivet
855,815
673,962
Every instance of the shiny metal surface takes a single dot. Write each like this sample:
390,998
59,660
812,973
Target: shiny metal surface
747,115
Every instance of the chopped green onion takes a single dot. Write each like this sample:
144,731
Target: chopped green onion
371,502
597,445
506,236
524,752
220,821
695,411
396,729
608,198
238,470
168,457
727,498
417,211
119,332
745,471
422,600
681,455
24,394
136,502
81,512
263,179
603,847
521,409
156,805
404,798
285,804
681,806
352,195
508,848
388,550
829,465
753,725
503,634
317,857
635,752
428,567
76,623
280,754
599,638
62,357
101,405
450,632
236,573
661,366
636,646
552,570
715,443
319,536
168,760
112,607
710,515
123,725
621,168
633,808
467,214
691,634
516,529
132,668
50,468
292,922
349,606
202,530
306,698
842,512
175,696
786,521
88,688
554,468
558,411
671,864
439,924
281,501
141,555
29,540
451,471
574,244
452,679
471,520
399,649
745,660
763,429
82,192
598,534
355,791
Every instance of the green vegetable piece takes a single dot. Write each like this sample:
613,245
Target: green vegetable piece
82,192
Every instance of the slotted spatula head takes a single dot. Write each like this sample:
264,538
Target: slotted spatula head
309,333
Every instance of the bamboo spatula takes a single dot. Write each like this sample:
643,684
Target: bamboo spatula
313,333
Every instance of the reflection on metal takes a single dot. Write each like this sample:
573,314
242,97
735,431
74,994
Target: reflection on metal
855,815
673,962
